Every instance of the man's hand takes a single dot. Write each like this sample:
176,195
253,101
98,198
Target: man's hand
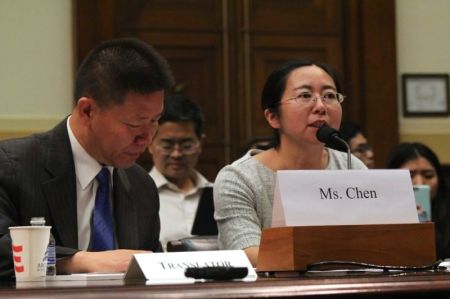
102,261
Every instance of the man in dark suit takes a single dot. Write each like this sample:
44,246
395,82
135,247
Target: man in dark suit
119,96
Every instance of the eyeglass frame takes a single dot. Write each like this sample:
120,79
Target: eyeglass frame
179,143
362,148
339,98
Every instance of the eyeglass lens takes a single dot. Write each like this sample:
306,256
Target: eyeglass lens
184,146
362,148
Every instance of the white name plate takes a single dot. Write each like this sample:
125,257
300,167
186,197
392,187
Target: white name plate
343,197
169,267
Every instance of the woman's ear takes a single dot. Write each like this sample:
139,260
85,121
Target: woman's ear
272,118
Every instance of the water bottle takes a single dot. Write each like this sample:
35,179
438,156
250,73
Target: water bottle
50,253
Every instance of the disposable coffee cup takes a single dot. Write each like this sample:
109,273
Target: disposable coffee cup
29,246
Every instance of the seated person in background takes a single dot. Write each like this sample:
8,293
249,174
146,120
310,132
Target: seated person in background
81,175
426,169
297,99
352,134
175,152
359,146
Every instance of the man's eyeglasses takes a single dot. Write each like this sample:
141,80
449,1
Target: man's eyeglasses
362,148
307,98
186,147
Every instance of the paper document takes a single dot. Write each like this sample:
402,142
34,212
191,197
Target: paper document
87,276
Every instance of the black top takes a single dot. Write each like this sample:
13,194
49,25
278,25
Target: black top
204,223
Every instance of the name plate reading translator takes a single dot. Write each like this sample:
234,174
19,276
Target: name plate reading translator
343,197
169,267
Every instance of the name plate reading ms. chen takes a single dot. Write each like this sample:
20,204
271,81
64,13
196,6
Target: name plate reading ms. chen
343,197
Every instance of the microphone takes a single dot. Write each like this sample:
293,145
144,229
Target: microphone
327,134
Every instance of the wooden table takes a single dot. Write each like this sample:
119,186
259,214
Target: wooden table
403,285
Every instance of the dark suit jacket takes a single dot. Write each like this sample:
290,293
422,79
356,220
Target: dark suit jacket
37,178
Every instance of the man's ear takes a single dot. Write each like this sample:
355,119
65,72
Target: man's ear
272,118
85,108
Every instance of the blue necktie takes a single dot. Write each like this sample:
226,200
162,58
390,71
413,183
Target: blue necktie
102,229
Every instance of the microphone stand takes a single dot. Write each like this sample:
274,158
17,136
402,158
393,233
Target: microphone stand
349,153
327,134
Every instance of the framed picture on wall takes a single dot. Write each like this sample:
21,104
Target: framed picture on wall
425,95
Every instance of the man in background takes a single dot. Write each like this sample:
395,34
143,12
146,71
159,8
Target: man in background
81,175
359,146
175,152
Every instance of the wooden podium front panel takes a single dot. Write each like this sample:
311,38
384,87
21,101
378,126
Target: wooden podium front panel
293,248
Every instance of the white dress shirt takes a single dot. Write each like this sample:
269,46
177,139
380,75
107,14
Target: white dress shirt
86,168
177,209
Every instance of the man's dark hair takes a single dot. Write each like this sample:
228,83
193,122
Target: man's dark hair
348,130
178,108
119,66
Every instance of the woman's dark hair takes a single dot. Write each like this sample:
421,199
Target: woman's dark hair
408,151
276,83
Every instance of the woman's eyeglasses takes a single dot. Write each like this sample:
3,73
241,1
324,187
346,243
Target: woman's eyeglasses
307,98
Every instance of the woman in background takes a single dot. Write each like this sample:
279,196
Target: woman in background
298,98
425,169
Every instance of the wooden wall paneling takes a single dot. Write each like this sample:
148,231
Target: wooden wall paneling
379,69
370,72
94,22
196,61
240,46
230,77
173,15
295,16
353,80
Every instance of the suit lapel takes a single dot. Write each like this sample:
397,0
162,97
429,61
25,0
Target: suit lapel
124,211
60,187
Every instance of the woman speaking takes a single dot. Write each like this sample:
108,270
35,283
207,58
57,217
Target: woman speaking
297,99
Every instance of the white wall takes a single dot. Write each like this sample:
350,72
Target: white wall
36,70
423,46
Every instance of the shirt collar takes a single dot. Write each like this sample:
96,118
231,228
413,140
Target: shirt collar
86,167
161,181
